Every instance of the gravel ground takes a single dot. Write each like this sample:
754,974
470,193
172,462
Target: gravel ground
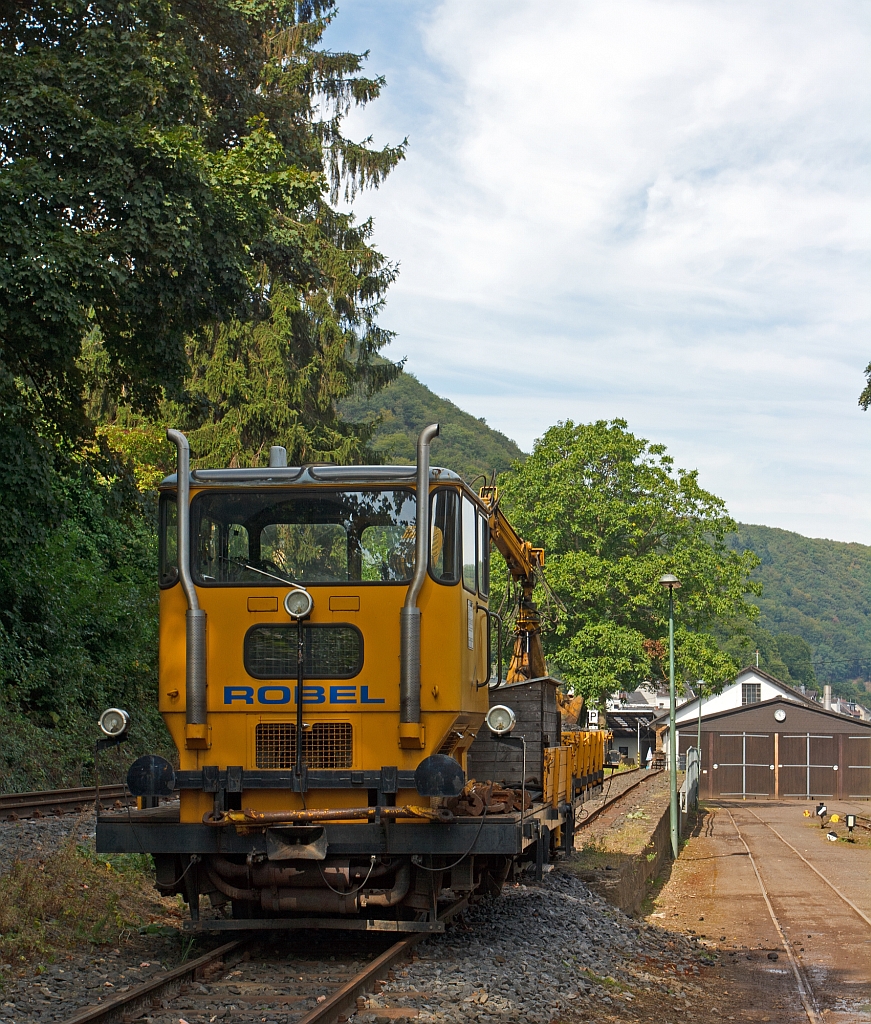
535,953
35,838
77,982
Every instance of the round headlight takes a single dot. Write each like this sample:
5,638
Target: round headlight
500,720
298,604
114,722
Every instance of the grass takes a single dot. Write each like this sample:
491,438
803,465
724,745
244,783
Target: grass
76,898
594,856
605,981
656,885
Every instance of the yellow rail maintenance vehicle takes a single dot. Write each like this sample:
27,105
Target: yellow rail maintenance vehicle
344,752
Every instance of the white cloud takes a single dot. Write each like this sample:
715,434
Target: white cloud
652,209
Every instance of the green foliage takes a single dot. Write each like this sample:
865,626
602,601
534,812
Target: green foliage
278,382
129,199
77,632
752,638
166,168
797,655
816,590
613,515
272,371
144,449
865,397
399,412
170,253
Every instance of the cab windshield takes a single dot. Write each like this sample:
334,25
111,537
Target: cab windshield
318,536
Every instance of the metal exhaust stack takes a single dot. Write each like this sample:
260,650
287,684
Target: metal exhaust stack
196,728
277,457
410,730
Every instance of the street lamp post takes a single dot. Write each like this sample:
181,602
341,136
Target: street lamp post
671,583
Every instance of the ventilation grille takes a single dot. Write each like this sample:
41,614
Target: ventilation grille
325,745
331,652
462,728
450,742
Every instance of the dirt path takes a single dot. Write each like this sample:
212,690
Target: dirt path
777,923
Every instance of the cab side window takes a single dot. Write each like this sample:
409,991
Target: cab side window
483,556
445,537
470,558
210,549
168,540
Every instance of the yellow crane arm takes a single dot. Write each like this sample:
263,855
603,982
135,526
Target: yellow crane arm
522,558
527,657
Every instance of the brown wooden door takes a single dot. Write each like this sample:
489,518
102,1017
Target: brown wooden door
685,740
759,764
857,766
808,765
742,764
728,766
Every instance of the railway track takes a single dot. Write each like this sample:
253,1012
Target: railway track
247,978
799,869
58,801
643,775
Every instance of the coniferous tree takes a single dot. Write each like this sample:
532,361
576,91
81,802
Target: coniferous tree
172,250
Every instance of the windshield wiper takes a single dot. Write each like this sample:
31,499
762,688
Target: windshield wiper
281,579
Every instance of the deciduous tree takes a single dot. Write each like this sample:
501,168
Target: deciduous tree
613,515
167,168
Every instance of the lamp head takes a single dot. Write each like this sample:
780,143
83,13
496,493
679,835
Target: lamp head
669,581
298,604
500,720
114,722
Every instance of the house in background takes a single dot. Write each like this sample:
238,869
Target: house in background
639,720
781,748
849,708
629,717
751,686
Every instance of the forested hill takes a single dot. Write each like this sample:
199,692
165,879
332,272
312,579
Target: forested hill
466,444
819,590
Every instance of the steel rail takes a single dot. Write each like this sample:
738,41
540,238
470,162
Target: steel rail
161,984
805,992
834,888
345,996
648,774
340,1000
56,799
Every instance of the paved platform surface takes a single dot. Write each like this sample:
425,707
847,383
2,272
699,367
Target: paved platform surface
715,891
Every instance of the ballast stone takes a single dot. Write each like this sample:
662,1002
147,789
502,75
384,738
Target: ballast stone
545,956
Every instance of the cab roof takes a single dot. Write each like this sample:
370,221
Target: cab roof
325,473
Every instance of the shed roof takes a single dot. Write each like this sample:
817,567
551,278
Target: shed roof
625,722
834,721
795,695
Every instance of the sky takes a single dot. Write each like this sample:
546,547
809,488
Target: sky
644,209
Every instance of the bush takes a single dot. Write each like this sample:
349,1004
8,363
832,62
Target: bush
78,633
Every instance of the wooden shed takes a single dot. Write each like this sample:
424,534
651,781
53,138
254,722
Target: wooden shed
538,722
779,749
